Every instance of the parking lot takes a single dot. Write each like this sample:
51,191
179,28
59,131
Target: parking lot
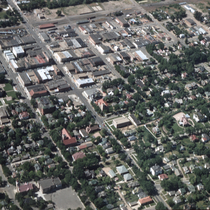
64,199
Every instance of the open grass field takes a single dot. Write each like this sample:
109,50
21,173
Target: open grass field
8,87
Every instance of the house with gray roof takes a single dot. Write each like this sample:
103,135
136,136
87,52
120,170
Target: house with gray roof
156,170
177,200
127,177
111,174
121,169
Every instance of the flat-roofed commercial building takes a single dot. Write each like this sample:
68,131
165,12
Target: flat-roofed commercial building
45,105
18,51
141,56
36,91
24,79
122,22
121,122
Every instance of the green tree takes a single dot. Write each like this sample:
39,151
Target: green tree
200,37
58,12
2,78
33,102
18,94
160,206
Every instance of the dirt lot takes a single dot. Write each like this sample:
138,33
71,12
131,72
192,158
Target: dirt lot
116,5
178,116
152,5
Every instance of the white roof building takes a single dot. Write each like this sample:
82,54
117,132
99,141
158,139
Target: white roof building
18,51
140,55
84,82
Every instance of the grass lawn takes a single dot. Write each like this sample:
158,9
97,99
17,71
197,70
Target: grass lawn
12,94
8,87
113,128
1,103
8,102
109,122
131,197
177,128
201,205
2,13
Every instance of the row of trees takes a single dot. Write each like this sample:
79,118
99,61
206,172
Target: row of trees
54,4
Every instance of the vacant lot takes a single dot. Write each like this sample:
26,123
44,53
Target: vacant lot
151,5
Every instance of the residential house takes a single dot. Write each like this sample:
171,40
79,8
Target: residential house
24,187
145,201
134,203
177,200
127,177
159,149
156,130
132,138
183,121
191,188
37,166
205,138
133,184
181,191
90,174
184,75
185,169
92,129
67,139
23,115
121,169
3,116
198,117
156,170
166,160
78,155
200,186
99,189
83,133
109,150
193,138
84,145
177,172
171,193
102,104
166,167
162,177
207,165
111,173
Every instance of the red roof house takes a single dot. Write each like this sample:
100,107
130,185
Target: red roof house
24,187
68,140
193,138
162,177
145,200
23,115
129,96
78,155
102,104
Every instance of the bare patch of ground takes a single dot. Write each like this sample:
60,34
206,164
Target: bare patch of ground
154,4
110,5
178,116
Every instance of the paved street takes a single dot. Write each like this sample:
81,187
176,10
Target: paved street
8,188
